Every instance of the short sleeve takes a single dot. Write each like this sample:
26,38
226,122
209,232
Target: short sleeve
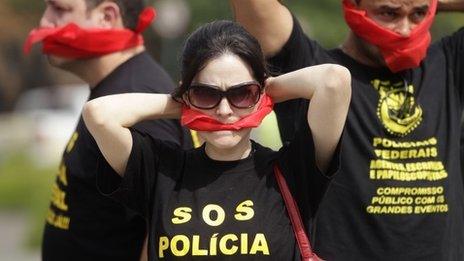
454,49
135,189
298,162
167,130
298,52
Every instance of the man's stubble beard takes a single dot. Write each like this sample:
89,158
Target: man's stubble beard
370,51
66,64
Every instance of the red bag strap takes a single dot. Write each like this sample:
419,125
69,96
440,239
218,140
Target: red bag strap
295,217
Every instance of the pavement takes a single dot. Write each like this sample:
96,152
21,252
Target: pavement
13,231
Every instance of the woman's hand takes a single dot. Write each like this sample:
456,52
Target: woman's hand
271,91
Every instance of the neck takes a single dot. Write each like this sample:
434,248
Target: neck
238,152
94,70
362,52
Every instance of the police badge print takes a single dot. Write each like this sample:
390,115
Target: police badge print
404,160
397,109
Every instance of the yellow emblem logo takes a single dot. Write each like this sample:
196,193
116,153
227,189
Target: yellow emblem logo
397,108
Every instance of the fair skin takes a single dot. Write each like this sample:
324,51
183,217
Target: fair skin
108,118
273,31
107,15
226,145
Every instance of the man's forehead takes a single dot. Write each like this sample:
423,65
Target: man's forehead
399,3
65,2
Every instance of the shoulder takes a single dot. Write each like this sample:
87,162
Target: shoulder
165,153
263,155
144,139
299,51
455,40
149,76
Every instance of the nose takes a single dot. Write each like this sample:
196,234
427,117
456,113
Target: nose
404,27
46,20
224,108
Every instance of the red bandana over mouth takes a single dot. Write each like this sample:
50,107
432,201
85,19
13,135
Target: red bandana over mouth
198,121
71,41
399,52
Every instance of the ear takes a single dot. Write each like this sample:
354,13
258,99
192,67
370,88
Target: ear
109,15
185,99
184,96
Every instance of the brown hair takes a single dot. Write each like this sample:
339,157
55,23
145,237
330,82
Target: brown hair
213,40
130,10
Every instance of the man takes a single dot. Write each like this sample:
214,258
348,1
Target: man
399,193
100,42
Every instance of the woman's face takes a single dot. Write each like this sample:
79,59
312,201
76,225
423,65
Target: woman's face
225,71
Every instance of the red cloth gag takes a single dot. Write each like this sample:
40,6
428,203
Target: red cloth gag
399,52
71,41
198,121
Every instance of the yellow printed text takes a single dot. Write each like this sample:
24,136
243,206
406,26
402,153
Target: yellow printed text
228,244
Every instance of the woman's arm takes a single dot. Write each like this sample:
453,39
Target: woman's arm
108,119
328,86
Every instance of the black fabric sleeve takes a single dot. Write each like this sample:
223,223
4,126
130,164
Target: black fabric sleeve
136,188
298,163
298,52
167,130
454,49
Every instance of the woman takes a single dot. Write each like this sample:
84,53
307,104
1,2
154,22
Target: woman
221,200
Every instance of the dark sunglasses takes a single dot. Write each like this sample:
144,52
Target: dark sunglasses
241,96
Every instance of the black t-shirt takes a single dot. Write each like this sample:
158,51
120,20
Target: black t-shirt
199,208
399,192
81,223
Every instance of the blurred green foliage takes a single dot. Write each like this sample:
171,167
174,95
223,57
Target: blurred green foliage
322,18
26,6
26,188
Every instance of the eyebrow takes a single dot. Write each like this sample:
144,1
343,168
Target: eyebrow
53,2
199,84
389,7
393,7
422,8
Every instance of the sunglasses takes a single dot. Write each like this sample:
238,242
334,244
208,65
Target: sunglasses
241,96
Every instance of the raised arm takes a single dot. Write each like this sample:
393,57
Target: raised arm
108,119
267,20
328,86
451,5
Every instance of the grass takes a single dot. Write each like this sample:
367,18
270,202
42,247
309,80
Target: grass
26,188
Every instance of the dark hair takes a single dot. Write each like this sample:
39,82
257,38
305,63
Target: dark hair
213,40
130,10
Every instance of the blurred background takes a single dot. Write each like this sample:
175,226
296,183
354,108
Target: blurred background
39,105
